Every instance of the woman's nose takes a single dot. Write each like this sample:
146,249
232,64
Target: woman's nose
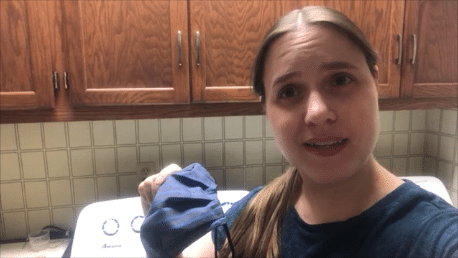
317,111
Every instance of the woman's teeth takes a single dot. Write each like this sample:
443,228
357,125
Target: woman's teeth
325,144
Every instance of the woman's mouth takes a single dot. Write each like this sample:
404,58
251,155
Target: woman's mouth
326,148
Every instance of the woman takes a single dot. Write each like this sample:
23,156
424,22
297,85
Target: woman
317,78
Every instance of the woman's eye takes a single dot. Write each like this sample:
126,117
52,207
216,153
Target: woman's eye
340,80
287,92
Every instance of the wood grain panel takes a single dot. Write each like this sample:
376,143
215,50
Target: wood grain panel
435,71
125,52
127,44
25,51
231,32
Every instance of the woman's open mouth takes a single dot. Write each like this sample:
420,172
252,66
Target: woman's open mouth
326,148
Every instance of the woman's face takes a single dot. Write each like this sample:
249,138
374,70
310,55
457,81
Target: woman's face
321,102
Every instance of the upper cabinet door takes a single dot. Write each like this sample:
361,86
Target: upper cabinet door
225,36
127,51
381,21
430,66
25,54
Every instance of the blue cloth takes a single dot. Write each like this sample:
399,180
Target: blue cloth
408,222
184,209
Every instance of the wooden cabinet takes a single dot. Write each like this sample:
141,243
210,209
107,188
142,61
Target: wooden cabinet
430,60
126,57
126,52
25,54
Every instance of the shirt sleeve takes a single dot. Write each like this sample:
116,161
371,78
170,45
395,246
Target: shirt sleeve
439,237
231,215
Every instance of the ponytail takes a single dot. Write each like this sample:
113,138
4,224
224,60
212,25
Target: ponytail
256,231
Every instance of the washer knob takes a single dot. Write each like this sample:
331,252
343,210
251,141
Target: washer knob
136,223
110,227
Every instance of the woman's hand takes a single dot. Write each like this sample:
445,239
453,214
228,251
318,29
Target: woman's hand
148,188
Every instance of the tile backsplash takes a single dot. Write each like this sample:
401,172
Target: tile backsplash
50,171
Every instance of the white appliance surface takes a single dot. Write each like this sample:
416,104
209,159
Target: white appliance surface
112,228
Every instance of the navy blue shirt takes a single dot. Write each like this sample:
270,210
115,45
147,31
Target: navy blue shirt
408,222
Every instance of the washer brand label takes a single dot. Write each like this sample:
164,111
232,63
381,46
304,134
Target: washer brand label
105,246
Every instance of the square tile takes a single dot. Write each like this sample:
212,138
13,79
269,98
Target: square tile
417,143
253,126
63,218
415,166
105,161
103,133
33,165
82,162
36,194
107,188
7,137
213,128
429,166
11,196
9,166
253,177
15,225
253,152
386,121
170,130
84,190
449,119
213,154
79,134
233,127
234,153
418,120
273,172
447,145
150,154
269,133
127,159
400,144
55,135
445,174
30,136
431,144
235,179
60,192
192,153
57,163
148,131
383,146
125,132
402,120
433,119
273,154
171,154
400,166
218,175
385,162
455,179
128,185
38,219
192,129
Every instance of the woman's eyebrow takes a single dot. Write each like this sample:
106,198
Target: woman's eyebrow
285,77
336,66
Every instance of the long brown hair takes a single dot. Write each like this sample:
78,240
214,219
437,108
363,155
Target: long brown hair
256,231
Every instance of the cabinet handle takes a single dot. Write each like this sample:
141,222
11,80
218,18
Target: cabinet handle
399,39
55,80
179,48
65,80
413,37
197,48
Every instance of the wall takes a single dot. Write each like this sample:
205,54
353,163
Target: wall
50,171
